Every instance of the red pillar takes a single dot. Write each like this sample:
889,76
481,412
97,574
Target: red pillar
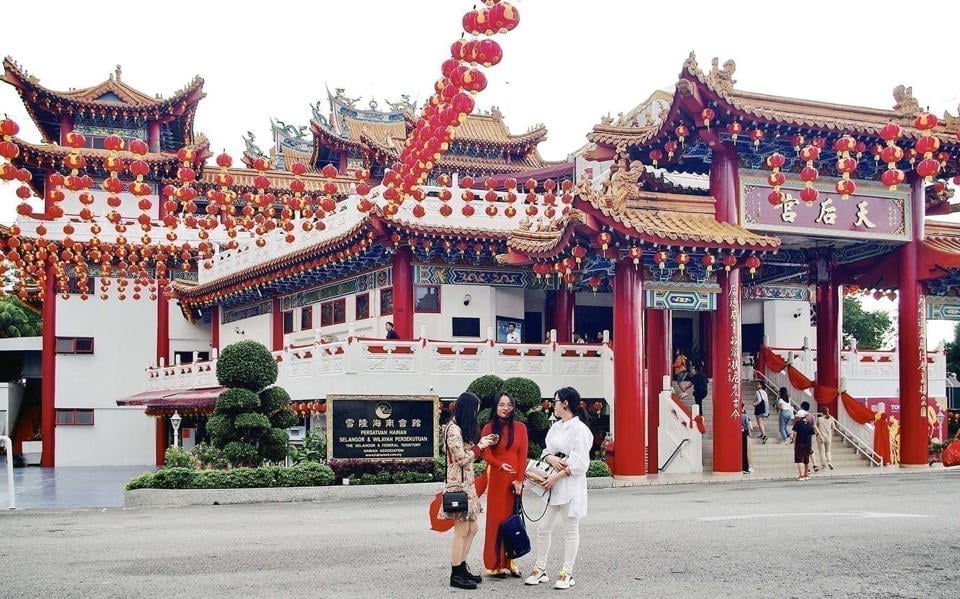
163,329
48,369
403,293
629,428
828,343
153,136
563,314
277,325
161,439
657,354
215,327
912,332
726,349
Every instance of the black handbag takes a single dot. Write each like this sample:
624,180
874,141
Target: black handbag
512,534
454,501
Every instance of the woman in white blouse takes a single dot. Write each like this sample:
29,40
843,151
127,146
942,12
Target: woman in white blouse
567,449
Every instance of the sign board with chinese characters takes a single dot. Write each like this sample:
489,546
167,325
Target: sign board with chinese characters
874,212
382,427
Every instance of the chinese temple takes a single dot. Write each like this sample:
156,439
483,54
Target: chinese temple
704,217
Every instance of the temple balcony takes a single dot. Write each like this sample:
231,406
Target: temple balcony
418,367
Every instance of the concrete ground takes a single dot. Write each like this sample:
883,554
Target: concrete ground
869,536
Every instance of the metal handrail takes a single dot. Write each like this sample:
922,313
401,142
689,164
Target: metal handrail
861,446
673,455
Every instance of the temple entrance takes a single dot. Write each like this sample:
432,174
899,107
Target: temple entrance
591,321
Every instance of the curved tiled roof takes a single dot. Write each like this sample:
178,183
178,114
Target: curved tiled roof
279,180
765,108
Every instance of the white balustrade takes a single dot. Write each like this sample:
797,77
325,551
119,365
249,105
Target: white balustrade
677,432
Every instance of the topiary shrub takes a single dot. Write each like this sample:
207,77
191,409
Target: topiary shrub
176,457
483,416
144,481
250,418
598,468
534,450
306,474
246,365
486,388
175,478
524,392
538,420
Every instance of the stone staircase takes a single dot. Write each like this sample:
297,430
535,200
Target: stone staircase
773,459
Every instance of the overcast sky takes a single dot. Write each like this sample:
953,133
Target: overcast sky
565,65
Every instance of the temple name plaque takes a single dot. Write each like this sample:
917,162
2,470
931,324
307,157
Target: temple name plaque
382,427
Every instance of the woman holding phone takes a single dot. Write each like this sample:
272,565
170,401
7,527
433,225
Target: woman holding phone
570,438
463,445
507,459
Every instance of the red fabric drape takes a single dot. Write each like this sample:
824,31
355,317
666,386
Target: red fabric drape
797,379
824,394
772,361
858,411
881,439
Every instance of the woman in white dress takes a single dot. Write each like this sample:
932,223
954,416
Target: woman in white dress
567,449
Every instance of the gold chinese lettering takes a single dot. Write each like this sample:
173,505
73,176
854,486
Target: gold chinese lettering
828,213
862,220
789,215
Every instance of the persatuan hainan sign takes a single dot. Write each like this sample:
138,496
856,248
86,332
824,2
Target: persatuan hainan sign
873,212
386,427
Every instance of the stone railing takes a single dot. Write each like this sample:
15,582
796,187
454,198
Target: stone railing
679,442
424,366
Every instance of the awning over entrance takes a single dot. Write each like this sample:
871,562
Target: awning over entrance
159,402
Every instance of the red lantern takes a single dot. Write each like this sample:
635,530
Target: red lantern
707,115
729,261
595,282
734,129
753,263
708,260
756,135
604,239
578,252
635,254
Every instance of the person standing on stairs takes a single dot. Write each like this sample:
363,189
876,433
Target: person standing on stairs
825,423
786,414
699,382
761,410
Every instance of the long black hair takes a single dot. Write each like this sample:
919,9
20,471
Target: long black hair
571,397
784,395
495,424
465,415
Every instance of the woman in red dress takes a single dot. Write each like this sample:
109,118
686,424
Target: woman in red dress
508,461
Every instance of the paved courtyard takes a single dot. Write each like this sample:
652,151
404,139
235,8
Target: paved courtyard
870,536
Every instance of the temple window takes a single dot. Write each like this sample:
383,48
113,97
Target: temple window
306,318
75,417
288,322
427,298
74,345
333,312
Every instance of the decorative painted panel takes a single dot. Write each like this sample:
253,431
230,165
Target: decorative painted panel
779,292
454,275
667,299
938,310
233,314
874,212
369,280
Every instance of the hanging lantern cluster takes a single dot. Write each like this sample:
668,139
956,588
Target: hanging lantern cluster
776,179
809,173
8,172
452,101
845,165
926,146
891,153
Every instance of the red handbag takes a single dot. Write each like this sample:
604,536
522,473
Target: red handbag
951,455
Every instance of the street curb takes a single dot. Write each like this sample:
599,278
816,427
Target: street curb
149,498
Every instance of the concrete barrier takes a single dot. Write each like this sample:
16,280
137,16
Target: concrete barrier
147,498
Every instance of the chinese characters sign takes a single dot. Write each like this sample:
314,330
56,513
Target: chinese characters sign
873,212
389,427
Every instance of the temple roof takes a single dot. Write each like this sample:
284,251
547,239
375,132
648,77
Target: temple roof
279,180
696,90
112,98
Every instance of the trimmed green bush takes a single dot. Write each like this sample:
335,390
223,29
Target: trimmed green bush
247,365
252,478
251,422
239,452
175,478
144,481
220,426
483,417
598,468
273,445
214,479
524,392
307,474
176,457
486,388
534,449
237,401
273,399
538,420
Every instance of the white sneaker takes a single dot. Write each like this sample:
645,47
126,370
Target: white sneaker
564,580
536,577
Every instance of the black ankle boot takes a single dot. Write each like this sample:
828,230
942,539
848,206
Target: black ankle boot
458,578
470,575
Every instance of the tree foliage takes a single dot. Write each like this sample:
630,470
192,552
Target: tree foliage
250,417
17,320
870,329
953,351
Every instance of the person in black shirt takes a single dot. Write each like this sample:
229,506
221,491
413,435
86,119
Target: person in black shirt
699,382
391,333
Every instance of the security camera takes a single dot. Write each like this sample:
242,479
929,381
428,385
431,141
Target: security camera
431,388
797,314
238,330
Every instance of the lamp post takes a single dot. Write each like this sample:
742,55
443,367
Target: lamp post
175,421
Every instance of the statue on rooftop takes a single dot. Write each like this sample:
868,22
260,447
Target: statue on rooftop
342,97
403,105
624,184
252,148
906,103
722,79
